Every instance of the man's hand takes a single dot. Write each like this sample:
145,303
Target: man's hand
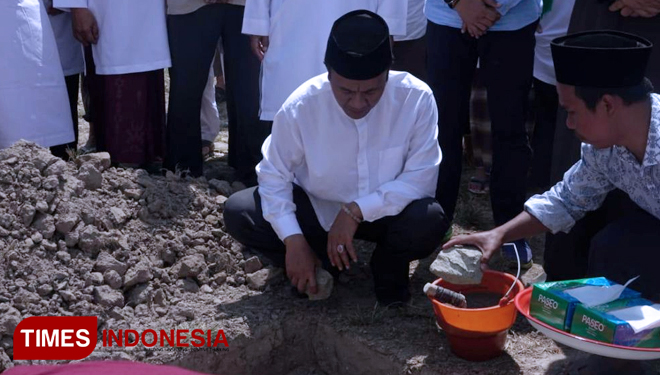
301,263
340,239
259,45
478,15
487,242
85,28
636,8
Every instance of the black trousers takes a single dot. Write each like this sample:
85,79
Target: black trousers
546,103
410,56
619,241
413,234
506,62
193,39
72,85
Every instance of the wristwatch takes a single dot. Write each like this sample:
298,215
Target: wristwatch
452,3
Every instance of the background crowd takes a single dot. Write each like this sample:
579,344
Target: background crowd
487,62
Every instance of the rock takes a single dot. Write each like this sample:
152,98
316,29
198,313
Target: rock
68,296
116,313
66,222
221,186
42,207
8,323
45,224
56,169
94,278
27,213
49,246
90,176
99,160
63,256
106,296
4,232
252,264
113,279
141,273
459,265
212,219
37,238
71,239
189,266
188,285
159,298
133,193
161,311
206,289
118,216
324,284
11,160
24,299
50,182
44,290
259,279
106,262
186,312
220,200
140,294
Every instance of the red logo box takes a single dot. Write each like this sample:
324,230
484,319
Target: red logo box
55,338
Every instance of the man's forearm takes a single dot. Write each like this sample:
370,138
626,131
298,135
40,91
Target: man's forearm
522,226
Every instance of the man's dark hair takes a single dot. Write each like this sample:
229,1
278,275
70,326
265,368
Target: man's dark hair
631,94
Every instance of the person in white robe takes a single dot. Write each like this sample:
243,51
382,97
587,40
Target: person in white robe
126,52
290,37
33,97
353,154
71,57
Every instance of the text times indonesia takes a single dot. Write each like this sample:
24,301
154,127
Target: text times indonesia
75,337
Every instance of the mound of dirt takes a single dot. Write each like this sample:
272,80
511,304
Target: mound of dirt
85,238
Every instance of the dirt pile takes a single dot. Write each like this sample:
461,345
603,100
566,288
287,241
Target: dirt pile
85,238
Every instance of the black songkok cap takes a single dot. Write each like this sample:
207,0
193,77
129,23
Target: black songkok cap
359,45
600,59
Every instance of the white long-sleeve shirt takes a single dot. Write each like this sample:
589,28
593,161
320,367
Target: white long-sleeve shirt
132,34
383,161
298,32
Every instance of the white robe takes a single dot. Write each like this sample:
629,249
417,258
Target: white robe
132,34
33,99
298,32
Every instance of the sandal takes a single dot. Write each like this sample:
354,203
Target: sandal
477,186
207,149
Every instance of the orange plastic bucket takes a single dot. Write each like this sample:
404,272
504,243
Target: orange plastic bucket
478,334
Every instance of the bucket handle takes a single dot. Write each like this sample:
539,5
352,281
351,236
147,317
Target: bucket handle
506,299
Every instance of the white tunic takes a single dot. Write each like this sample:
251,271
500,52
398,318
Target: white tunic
383,161
132,34
298,31
33,99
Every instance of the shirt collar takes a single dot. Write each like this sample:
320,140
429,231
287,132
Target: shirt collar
652,153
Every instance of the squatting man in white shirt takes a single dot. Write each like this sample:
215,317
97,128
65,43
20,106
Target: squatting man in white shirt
353,154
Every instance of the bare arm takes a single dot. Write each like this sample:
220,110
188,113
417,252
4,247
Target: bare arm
523,225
